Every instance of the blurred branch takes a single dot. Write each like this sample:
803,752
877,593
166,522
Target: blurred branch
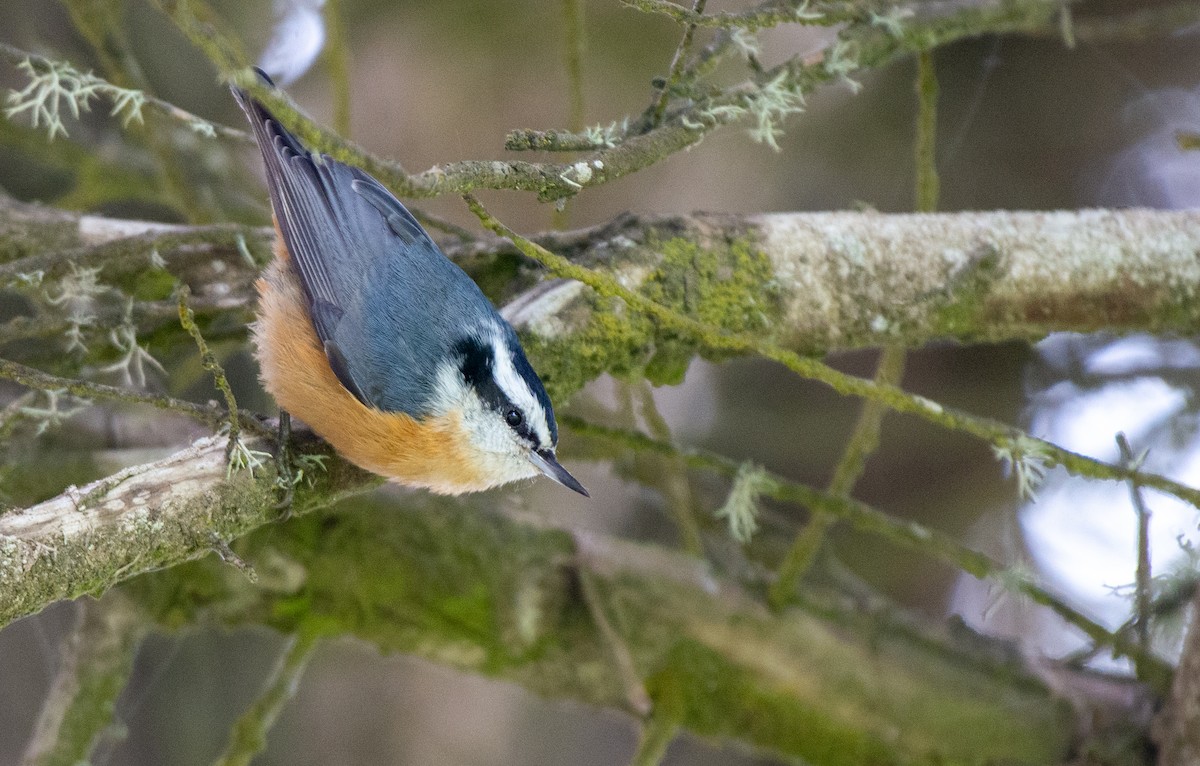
864,440
249,735
576,45
656,736
337,62
871,521
96,660
210,415
1140,23
875,40
1143,576
486,593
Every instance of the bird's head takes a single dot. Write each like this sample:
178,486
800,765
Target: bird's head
506,416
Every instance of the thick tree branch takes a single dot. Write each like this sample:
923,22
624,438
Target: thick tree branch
141,519
461,585
840,280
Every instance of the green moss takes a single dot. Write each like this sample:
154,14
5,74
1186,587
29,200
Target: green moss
962,312
481,586
715,698
153,285
83,565
609,340
726,284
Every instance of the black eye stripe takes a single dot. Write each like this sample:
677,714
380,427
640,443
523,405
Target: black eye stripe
476,368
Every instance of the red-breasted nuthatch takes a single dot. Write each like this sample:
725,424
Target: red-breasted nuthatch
388,350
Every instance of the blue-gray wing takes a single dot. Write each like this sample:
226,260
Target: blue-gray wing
388,306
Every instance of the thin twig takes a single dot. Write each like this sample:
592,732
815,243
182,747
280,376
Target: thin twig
868,520
673,478
677,63
211,415
864,440
187,320
925,145
1142,582
337,64
635,690
248,737
576,35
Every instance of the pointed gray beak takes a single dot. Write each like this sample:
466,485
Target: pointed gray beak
545,462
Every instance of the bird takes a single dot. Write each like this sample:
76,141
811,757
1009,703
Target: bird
368,333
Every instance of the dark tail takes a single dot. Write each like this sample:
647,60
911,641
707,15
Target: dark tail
267,129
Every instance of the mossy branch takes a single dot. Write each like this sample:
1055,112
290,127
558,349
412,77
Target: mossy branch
444,580
144,518
717,339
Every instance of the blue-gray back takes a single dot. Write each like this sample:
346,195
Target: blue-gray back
384,300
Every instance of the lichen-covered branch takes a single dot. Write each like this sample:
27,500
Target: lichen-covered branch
843,280
138,520
832,281
724,306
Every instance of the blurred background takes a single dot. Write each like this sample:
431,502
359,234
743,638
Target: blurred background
1023,124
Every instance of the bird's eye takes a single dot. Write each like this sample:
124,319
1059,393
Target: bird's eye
514,418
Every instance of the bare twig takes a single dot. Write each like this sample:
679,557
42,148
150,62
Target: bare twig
677,64
188,320
1142,582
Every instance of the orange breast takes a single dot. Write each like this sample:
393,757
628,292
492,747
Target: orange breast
431,453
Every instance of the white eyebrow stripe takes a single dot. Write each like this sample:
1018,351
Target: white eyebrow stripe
517,390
